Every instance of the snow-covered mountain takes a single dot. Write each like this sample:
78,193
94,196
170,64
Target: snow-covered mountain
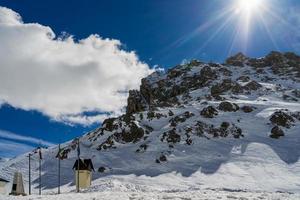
232,126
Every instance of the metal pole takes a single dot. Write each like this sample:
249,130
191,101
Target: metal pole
78,166
40,175
29,174
58,170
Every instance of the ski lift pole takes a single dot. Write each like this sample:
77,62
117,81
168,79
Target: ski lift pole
78,160
58,170
29,174
40,171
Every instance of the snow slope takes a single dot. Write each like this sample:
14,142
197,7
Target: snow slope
168,148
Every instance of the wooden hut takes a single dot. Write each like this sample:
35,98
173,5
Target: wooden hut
85,172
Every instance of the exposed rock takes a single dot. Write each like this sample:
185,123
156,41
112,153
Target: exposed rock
276,132
237,89
173,73
220,88
101,169
108,124
209,112
253,85
194,63
289,98
134,135
135,102
162,158
207,73
170,113
228,107
247,109
181,118
244,78
282,119
171,137
237,60
225,71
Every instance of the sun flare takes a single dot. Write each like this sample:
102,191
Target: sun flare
248,6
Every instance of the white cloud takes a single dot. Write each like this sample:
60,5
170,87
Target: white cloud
60,77
21,138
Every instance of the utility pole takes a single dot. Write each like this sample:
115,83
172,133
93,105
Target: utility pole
40,170
78,160
29,174
58,169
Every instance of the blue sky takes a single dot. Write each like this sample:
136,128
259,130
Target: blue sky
161,33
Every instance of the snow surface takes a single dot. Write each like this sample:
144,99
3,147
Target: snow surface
253,167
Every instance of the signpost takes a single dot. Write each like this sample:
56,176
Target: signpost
40,170
78,159
29,174
58,189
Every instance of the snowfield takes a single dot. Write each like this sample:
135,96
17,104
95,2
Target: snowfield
182,152
171,195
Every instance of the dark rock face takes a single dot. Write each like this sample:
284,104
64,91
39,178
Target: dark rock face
135,102
244,78
237,60
209,112
124,130
134,135
154,113
101,169
181,118
228,107
170,113
276,132
253,85
162,158
207,73
218,89
226,129
282,119
283,64
171,137
247,109
108,124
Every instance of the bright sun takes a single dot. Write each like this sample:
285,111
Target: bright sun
248,6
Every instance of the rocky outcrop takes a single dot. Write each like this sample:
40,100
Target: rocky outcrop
171,137
135,102
247,109
276,132
253,85
228,107
281,118
209,112
220,88
237,60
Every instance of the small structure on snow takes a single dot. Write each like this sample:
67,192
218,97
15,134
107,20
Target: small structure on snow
3,184
85,172
17,186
